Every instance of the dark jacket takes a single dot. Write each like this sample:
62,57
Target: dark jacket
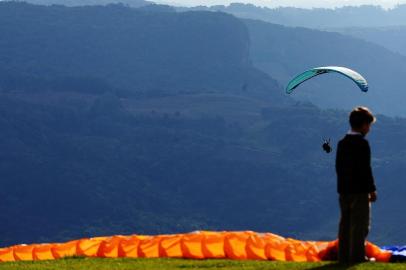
353,166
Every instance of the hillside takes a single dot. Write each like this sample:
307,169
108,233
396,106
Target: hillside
284,52
111,125
392,38
318,18
122,47
73,3
77,165
78,150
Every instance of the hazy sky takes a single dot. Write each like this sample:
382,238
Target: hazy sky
296,3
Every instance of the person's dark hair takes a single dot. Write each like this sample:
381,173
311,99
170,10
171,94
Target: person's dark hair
360,116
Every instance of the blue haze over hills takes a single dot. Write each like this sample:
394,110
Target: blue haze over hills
119,120
318,18
383,70
373,47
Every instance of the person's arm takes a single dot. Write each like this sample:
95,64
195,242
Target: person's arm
368,173
373,196
340,169
339,159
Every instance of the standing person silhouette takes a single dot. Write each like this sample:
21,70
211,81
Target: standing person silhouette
356,187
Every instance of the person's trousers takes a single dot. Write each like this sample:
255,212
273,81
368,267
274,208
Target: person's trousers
354,227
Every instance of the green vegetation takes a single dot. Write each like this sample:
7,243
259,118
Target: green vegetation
319,18
169,264
110,125
275,49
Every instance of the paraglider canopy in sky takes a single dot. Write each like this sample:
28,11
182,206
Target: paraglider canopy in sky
349,73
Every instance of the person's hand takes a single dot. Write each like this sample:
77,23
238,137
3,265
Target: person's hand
373,196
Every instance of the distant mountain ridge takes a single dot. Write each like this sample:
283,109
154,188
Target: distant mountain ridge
392,38
72,3
212,61
348,16
284,52
363,16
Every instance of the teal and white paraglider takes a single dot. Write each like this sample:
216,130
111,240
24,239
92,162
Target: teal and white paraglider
307,75
349,73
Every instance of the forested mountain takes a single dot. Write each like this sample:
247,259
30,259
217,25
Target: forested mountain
62,67
123,47
284,52
116,121
392,38
319,18
72,3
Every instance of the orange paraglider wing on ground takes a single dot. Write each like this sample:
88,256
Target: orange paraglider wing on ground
245,245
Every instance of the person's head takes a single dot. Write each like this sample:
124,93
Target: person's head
361,119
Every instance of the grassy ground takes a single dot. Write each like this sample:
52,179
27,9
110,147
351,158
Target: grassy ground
169,264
